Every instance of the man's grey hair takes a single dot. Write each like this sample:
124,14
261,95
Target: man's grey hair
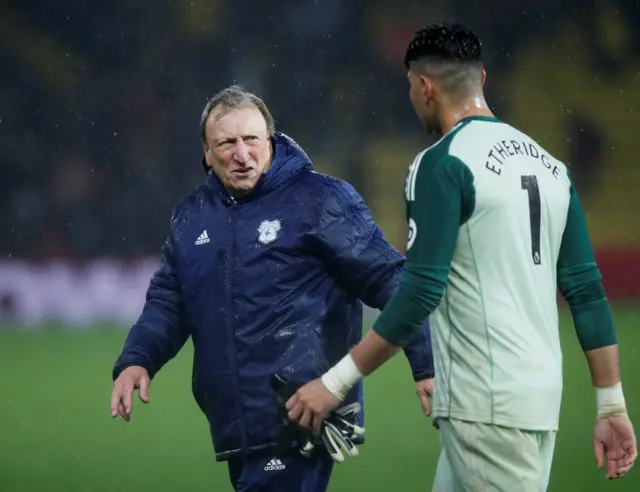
234,97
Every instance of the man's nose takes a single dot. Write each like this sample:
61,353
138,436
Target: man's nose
241,154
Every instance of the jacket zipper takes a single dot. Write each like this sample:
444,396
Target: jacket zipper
229,317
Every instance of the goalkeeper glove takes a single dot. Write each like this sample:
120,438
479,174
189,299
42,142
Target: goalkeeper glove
336,433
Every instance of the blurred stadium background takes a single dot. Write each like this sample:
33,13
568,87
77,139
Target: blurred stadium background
99,111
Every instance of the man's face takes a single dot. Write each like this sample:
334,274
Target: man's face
421,93
238,148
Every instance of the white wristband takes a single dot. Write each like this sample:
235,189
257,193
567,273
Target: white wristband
610,401
342,377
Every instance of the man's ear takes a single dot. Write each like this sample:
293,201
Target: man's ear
205,150
484,76
427,88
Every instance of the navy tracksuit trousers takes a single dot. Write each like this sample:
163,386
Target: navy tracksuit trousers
290,473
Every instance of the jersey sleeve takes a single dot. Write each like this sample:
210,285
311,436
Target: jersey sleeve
580,282
440,198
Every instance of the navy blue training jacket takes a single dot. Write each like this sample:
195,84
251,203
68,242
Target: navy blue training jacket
273,281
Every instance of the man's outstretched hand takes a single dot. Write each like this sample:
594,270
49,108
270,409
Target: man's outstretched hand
311,404
615,442
132,378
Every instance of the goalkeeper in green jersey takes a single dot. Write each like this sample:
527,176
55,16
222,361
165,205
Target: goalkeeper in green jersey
495,226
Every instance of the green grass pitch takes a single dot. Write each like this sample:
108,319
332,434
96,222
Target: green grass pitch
56,433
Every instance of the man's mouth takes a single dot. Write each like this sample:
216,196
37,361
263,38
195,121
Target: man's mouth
242,172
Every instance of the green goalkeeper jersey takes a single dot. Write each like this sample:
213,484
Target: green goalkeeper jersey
493,222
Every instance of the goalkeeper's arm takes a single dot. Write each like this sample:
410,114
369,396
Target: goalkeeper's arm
580,283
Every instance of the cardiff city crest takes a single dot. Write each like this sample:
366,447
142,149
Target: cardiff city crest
268,231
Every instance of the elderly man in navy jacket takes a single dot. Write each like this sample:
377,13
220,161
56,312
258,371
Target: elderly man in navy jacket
266,267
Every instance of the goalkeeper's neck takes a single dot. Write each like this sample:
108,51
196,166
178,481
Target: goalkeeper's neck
451,114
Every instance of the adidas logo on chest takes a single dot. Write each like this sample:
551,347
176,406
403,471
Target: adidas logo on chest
203,238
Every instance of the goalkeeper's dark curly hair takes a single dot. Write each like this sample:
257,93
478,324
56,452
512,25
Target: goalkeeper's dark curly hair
451,55
445,43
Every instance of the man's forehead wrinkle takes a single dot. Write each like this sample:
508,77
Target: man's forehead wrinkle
251,124
238,131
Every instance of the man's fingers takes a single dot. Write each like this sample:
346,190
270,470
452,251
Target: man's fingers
122,412
631,455
144,390
291,402
623,470
305,420
116,395
612,469
598,449
426,405
295,411
127,397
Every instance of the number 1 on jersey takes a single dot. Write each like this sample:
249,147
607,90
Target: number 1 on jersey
530,184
